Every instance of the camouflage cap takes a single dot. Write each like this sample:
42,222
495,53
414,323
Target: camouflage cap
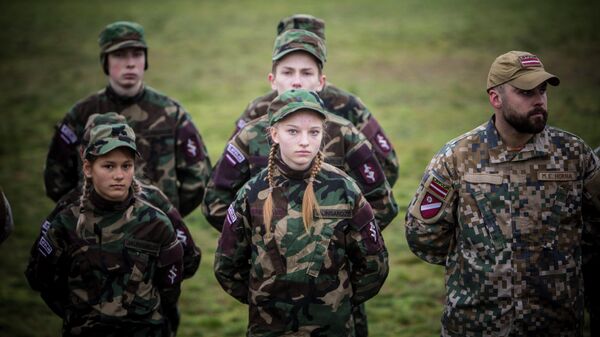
107,137
100,119
299,39
292,101
520,69
302,21
120,35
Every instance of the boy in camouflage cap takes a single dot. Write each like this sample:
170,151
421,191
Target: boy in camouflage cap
173,155
501,208
110,262
295,229
337,101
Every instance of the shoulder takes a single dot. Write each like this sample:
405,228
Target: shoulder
86,106
156,97
155,197
333,178
565,140
467,139
258,106
335,97
255,127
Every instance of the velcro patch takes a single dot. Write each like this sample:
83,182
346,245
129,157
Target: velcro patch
44,247
439,188
334,213
557,176
67,134
231,216
529,61
234,155
147,247
45,227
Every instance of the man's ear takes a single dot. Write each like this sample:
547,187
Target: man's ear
495,98
271,79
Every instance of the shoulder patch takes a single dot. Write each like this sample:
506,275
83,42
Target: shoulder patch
432,199
368,172
67,134
234,155
231,217
382,142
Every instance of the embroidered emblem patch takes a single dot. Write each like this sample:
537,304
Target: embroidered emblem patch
231,217
530,61
233,155
173,274
181,237
373,231
67,135
44,247
439,188
430,206
383,143
368,173
192,148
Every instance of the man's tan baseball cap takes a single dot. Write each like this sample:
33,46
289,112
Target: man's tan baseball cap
520,69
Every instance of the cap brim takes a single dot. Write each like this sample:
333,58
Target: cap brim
126,44
280,55
114,145
532,79
290,111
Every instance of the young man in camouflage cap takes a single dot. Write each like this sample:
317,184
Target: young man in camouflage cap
300,244
501,208
173,155
337,101
111,261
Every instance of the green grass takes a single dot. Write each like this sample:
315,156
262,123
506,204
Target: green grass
420,66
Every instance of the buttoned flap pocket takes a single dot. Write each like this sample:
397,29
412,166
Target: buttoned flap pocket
139,295
484,200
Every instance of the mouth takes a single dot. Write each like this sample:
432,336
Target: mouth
117,187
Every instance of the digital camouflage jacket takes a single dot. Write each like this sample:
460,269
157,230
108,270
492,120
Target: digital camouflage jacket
344,146
347,106
507,225
114,266
173,156
298,283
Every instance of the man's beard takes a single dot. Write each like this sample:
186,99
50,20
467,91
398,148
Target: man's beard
527,123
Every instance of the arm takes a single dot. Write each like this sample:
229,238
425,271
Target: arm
367,253
192,164
431,219
365,169
61,171
230,174
169,272
232,268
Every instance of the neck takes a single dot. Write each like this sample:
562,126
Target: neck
127,92
511,137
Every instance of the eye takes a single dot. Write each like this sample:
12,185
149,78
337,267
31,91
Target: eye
292,132
108,166
315,133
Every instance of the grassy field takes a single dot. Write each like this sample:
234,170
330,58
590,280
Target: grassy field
420,66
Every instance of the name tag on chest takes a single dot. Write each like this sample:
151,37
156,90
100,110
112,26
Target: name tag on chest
556,176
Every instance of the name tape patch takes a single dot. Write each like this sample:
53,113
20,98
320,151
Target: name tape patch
234,155
557,176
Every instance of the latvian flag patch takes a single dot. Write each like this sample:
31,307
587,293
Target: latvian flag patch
439,188
529,61
430,206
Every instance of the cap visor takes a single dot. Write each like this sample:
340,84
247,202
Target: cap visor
532,79
125,44
281,54
106,149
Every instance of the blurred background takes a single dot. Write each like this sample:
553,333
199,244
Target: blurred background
419,66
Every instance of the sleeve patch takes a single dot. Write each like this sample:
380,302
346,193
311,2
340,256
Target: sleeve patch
382,142
234,155
369,173
432,199
44,247
231,217
67,134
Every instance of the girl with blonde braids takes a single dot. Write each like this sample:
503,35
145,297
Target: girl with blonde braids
109,263
295,229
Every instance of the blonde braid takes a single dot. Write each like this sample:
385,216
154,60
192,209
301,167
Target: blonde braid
85,195
309,201
268,206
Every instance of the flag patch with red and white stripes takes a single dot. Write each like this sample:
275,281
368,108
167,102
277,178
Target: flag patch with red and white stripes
430,206
530,61
439,188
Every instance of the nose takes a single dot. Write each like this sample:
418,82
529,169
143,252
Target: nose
119,174
296,82
304,139
539,98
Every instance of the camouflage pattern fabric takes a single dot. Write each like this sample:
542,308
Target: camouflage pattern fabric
344,147
299,40
173,155
115,266
507,225
302,21
347,106
298,283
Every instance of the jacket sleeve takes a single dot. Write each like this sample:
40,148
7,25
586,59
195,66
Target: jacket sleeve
47,268
367,253
431,218
384,150
231,172
192,164
232,267
364,167
169,272
61,171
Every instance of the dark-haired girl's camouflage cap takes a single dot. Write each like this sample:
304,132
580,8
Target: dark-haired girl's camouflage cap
121,35
299,40
107,137
292,101
302,21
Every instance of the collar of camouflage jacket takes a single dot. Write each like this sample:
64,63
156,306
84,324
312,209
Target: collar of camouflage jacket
101,204
538,146
290,173
125,100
